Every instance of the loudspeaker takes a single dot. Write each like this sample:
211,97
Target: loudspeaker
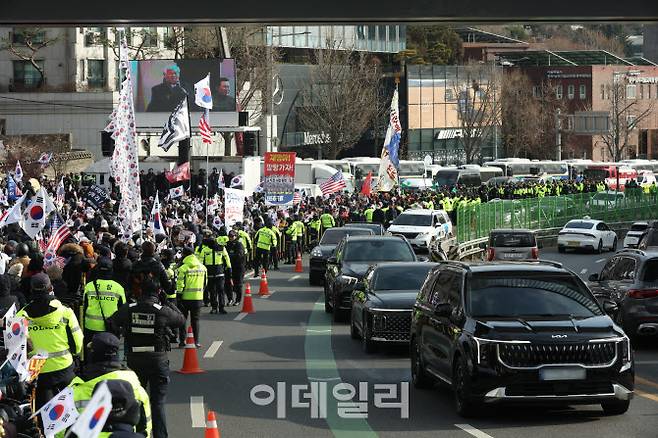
250,143
107,144
243,118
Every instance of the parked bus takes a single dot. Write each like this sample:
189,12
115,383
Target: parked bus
611,173
521,168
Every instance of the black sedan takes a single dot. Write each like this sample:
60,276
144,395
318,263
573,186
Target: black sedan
383,300
352,258
330,239
376,228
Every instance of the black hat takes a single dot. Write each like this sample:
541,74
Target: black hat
104,264
125,408
104,346
40,284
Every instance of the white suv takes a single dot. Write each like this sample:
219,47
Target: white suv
420,227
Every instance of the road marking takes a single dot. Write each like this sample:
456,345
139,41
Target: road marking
583,271
600,261
197,412
647,382
267,296
213,349
473,431
647,395
328,379
294,277
319,331
646,362
240,316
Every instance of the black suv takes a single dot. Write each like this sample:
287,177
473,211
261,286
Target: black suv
350,261
518,332
630,280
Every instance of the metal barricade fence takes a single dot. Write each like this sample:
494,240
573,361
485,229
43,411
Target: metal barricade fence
476,221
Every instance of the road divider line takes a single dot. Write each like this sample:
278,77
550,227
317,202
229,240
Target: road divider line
294,277
267,296
197,412
240,316
652,397
647,382
328,379
600,261
583,271
319,331
212,350
477,433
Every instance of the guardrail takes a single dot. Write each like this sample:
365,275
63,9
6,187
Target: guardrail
477,221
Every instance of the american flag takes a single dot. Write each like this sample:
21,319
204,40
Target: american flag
334,184
204,127
296,198
60,233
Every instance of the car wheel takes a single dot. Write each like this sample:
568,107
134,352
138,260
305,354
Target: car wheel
461,382
615,407
599,249
614,246
354,332
561,249
419,378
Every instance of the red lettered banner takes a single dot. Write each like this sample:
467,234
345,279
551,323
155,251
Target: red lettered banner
279,177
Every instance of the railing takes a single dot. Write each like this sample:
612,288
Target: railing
476,221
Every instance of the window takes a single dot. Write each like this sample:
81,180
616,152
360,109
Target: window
582,92
93,36
19,36
447,289
630,121
571,91
602,92
96,73
536,91
624,269
649,91
559,92
630,92
641,91
26,76
150,36
450,95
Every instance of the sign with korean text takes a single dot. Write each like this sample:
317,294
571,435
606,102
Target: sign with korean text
279,178
96,197
233,206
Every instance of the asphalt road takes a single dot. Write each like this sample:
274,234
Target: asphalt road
291,341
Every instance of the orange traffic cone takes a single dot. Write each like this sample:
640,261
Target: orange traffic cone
264,290
212,431
298,263
247,303
190,360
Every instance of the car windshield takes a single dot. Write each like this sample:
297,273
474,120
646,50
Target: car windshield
378,250
418,220
639,227
335,235
651,271
446,178
508,296
375,228
512,239
401,277
580,224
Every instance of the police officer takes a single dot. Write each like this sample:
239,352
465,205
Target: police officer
216,260
296,233
147,325
102,297
103,364
236,253
265,241
191,280
327,220
53,329
245,239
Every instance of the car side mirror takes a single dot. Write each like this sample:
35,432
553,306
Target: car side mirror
594,277
332,260
423,259
540,244
443,309
610,307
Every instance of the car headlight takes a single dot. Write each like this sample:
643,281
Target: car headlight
316,252
485,350
346,280
625,352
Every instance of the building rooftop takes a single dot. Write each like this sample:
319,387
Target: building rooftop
474,35
563,58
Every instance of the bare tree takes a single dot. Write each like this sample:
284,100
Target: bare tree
142,42
341,98
520,111
478,107
626,113
26,43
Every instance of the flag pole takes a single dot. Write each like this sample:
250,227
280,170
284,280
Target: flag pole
207,116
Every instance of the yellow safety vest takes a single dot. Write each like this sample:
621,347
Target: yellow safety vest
191,280
327,221
82,392
102,299
368,214
48,334
265,238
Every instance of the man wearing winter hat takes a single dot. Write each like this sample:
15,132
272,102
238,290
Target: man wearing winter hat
52,328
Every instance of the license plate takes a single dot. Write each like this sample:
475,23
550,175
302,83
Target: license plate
514,255
562,373
573,243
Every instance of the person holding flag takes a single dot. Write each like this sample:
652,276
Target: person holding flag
54,329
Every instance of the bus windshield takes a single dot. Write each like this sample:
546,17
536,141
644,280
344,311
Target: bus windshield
446,178
596,174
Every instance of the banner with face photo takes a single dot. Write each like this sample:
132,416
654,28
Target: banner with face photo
233,206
